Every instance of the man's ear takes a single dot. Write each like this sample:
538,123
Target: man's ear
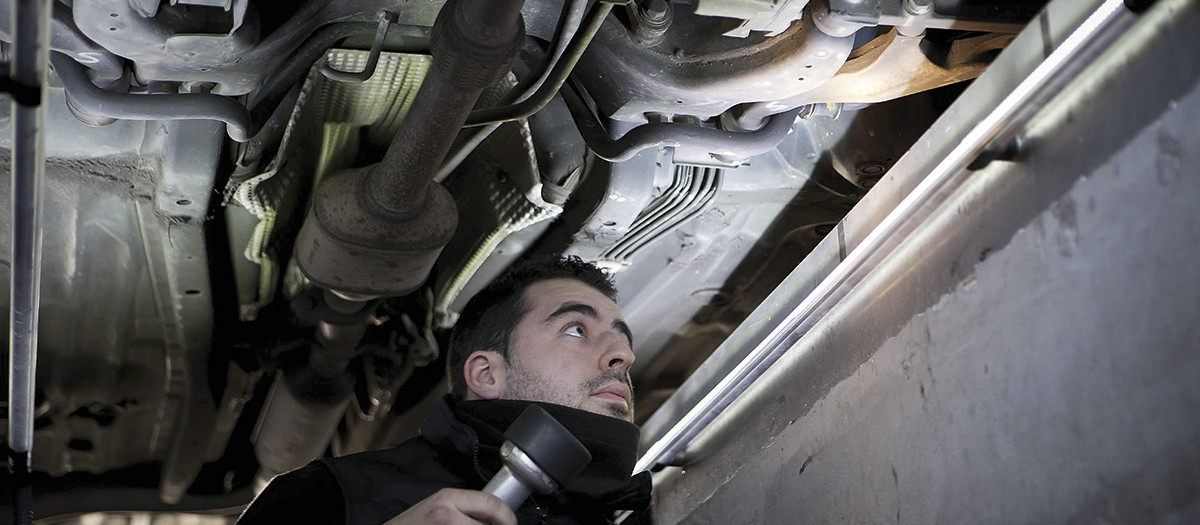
485,375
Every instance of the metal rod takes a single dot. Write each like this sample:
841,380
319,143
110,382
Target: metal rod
368,70
30,53
288,74
555,80
1092,36
569,23
241,123
456,78
731,144
93,100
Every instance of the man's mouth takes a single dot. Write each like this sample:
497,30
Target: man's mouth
615,391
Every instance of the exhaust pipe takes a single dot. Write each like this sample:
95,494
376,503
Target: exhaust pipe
376,231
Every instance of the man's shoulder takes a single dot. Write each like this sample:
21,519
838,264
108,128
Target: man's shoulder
414,461
308,494
414,449
379,484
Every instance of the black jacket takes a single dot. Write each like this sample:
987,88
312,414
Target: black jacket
459,448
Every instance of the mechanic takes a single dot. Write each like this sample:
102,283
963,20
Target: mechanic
548,333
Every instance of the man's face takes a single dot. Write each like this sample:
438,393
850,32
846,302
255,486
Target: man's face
572,348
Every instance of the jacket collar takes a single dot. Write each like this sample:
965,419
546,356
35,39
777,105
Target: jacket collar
475,430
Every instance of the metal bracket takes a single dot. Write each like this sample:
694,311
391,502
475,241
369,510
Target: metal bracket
921,14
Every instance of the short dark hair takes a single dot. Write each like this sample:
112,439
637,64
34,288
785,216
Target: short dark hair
489,318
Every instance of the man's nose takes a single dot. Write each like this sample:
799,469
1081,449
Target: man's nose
616,352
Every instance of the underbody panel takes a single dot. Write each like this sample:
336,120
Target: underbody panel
260,222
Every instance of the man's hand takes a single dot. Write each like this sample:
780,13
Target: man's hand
457,506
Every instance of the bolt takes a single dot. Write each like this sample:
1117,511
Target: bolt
657,10
918,7
871,169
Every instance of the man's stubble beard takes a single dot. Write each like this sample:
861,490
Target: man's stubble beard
619,411
527,386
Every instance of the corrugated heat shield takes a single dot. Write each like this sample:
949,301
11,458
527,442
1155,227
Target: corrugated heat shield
499,192
324,135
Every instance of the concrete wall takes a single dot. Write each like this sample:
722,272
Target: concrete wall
1033,357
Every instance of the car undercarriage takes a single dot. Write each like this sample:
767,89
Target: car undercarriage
261,219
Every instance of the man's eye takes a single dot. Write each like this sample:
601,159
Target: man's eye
575,331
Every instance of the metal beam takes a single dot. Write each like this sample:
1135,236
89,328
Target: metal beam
27,83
